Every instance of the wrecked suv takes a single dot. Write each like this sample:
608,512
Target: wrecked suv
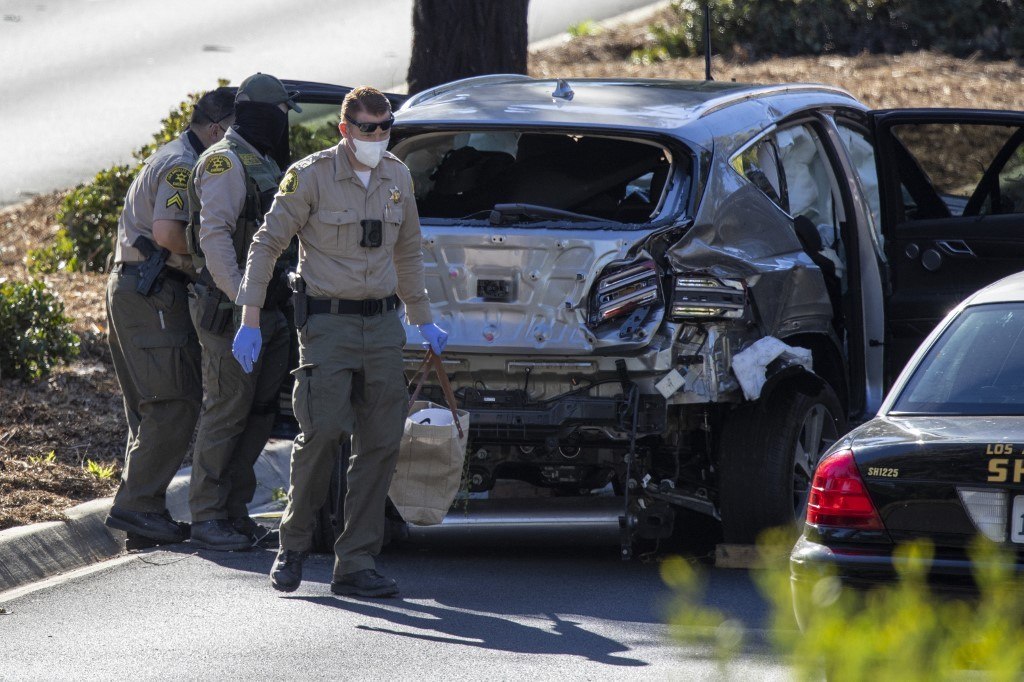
685,291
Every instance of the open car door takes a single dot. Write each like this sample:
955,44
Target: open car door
951,183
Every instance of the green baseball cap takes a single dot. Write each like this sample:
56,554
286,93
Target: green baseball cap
262,87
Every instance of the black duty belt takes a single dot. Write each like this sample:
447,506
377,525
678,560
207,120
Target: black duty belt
339,306
168,272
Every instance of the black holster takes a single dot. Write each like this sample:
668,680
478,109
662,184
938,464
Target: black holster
217,309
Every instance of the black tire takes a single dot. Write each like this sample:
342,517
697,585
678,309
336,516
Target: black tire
767,454
330,517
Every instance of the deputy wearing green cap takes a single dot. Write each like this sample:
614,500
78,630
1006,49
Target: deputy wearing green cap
231,189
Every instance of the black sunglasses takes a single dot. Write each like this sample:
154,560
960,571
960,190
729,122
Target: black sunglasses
367,128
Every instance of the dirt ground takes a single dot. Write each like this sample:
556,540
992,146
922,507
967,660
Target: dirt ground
77,412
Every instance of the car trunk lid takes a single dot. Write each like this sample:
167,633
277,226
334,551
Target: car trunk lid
945,478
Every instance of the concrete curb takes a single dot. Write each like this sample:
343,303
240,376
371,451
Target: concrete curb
42,550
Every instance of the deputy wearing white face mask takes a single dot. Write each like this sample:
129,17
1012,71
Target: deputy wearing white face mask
353,209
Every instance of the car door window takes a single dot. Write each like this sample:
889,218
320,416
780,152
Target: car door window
862,153
760,164
1004,192
958,169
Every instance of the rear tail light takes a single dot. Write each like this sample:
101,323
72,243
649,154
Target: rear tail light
623,290
701,297
838,497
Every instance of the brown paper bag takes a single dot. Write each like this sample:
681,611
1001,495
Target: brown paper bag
431,456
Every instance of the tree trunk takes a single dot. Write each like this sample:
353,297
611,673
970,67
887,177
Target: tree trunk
455,39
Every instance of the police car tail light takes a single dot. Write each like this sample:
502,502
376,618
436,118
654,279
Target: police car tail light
838,497
987,508
701,297
622,290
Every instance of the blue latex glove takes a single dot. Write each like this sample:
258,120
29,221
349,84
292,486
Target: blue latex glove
435,336
246,346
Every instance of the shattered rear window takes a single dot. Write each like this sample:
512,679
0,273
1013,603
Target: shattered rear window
536,178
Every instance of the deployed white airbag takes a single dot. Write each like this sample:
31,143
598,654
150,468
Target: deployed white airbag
749,365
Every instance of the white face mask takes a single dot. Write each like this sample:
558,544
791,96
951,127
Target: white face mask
369,153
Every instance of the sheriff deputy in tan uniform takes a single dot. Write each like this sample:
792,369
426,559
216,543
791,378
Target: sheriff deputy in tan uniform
353,209
152,342
231,189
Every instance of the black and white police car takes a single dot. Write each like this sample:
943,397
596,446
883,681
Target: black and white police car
942,460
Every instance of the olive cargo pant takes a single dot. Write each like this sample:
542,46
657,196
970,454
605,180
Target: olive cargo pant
156,360
237,417
350,379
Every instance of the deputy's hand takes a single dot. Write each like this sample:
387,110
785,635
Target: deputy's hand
435,336
246,346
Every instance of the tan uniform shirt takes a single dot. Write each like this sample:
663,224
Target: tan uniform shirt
158,192
220,184
323,201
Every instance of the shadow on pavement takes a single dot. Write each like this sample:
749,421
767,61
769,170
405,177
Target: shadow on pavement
458,627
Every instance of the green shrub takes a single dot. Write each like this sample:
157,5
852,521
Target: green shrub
60,256
34,332
89,214
796,27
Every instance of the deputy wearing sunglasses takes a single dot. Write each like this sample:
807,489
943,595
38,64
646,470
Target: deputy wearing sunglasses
353,209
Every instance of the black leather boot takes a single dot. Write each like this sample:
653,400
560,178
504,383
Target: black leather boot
286,574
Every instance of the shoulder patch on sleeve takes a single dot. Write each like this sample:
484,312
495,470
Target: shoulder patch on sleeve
178,177
217,164
290,182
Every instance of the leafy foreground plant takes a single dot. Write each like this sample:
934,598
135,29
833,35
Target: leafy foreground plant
901,631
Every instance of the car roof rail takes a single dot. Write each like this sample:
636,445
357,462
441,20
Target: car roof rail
430,93
718,103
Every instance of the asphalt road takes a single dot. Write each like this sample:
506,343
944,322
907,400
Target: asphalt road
503,613
83,83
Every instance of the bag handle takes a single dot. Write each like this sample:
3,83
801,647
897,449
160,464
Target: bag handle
433,362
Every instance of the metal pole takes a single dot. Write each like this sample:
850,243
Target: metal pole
707,42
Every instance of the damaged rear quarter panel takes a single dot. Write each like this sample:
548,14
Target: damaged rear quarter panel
740,234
